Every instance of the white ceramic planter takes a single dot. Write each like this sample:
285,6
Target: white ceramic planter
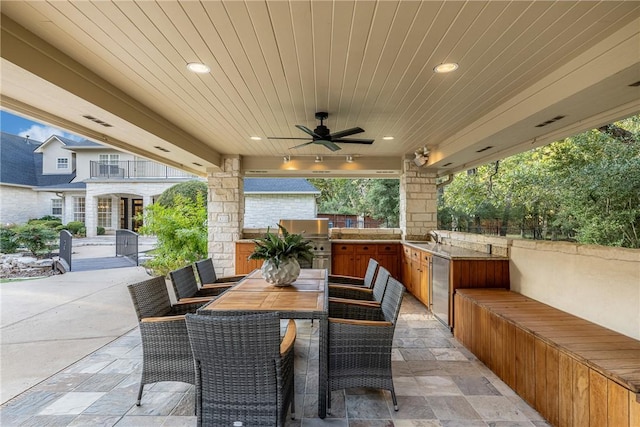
284,275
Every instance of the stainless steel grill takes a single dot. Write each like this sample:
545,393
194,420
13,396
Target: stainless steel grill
316,230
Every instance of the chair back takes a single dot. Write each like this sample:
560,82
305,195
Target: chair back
392,300
184,282
206,271
236,367
380,284
150,297
370,274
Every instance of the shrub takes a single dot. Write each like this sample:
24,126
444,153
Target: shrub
100,231
8,243
37,238
82,232
75,226
190,190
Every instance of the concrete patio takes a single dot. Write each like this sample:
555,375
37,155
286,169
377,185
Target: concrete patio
80,366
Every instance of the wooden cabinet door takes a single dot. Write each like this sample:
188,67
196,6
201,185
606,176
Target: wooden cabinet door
244,265
389,258
416,290
342,259
425,278
362,255
406,267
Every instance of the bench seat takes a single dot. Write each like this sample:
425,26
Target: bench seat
572,371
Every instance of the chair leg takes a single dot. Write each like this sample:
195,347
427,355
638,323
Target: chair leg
395,401
140,394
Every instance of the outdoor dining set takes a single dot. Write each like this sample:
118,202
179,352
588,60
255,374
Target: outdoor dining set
233,338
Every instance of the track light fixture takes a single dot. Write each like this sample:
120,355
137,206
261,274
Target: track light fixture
318,159
286,158
349,159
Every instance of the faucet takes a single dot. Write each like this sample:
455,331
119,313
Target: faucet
434,237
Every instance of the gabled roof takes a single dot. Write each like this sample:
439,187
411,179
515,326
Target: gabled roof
20,164
279,186
69,143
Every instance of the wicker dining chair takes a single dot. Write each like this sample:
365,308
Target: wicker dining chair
367,281
210,280
374,293
360,349
244,371
185,285
166,353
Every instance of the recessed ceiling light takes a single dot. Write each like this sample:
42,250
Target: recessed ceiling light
198,67
256,138
388,138
447,67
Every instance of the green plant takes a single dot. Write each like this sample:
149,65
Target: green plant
190,190
279,249
100,231
75,226
8,243
37,238
181,231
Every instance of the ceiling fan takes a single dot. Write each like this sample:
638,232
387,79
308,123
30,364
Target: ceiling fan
322,135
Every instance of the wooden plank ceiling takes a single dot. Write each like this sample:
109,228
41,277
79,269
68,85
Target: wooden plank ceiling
367,63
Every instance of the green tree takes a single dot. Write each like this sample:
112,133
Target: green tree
190,190
181,231
382,198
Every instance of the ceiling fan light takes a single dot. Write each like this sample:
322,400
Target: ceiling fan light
198,67
446,67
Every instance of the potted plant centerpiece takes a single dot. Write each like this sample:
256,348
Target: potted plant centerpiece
280,255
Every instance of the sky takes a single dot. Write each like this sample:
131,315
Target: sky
17,125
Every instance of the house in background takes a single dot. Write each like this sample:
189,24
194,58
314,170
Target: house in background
103,187
268,200
78,181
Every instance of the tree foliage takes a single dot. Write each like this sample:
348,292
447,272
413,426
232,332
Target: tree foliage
181,231
584,188
378,198
189,190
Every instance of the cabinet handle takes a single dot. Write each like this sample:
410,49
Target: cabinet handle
366,248
386,248
343,248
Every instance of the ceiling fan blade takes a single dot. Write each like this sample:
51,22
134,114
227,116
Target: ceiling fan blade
330,145
354,141
346,132
309,131
283,137
302,145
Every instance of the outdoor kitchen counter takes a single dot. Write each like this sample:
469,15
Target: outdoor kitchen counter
451,252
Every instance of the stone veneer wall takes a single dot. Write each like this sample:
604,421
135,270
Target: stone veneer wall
266,210
225,214
418,201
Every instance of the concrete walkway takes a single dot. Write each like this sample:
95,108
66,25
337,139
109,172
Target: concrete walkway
48,324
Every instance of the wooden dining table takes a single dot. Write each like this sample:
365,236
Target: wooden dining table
306,298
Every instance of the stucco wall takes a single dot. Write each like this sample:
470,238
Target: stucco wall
19,204
51,153
266,210
597,283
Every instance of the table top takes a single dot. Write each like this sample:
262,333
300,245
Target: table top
253,293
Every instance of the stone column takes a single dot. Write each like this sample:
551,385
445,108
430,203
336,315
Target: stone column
225,214
418,201
91,215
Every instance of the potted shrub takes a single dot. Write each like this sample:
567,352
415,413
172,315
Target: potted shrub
280,255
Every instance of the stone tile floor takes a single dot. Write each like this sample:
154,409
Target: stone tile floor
437,381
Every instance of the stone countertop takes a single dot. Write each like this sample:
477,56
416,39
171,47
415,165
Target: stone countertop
452,252
366,241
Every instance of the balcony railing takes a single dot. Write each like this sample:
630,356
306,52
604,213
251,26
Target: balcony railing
135,169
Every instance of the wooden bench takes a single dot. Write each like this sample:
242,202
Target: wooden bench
572,371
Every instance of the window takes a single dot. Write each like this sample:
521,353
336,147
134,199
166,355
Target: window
78,209
104,212
56,207
63,163
109,159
